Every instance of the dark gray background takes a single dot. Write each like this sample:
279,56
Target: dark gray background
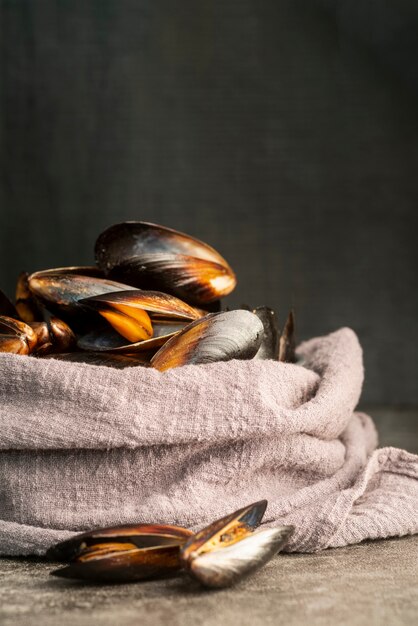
285,136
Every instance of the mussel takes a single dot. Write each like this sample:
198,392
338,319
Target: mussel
61,289
129,311
121,554
287,344
228,550
215,337
16,336
270,342
26,306
218,556
150,256
108,340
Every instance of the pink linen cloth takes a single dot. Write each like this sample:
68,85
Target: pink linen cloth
84,446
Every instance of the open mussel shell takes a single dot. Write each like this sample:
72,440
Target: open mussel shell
270,343
140,535
155,257
159,305
224,531
287,343
215,337
108,340
226,566
61,289
123,566
121,554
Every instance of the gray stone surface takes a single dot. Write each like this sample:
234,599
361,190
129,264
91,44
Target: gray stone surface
374,583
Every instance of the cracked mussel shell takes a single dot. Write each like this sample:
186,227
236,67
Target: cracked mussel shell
228,550
215,337
150,256
121,554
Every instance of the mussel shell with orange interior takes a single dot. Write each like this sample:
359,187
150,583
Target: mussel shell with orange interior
228,550
150,256
121,554
143,320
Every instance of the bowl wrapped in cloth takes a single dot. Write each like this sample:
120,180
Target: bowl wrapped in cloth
84,446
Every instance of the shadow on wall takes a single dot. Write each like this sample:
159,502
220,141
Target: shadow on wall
258,127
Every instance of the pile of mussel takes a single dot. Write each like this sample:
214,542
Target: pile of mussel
218,556
153,298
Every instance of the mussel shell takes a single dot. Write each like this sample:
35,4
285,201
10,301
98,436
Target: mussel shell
215,337
287,343
13,344
158,304
150,256
108,340
224,531
270,342
62,337
141,535
225,567
14,328
125,566
62,291
26,306
195,280
135,239
41,331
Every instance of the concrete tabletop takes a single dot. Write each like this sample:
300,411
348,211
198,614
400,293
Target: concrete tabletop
374,583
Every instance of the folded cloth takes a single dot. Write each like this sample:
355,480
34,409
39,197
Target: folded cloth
84,446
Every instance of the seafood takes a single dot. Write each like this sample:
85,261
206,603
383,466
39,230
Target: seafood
228,550
287,343
129,312
26,306
217,556
107,340
16,336
150,256
215,337
270,342
63,288
121,554
166,312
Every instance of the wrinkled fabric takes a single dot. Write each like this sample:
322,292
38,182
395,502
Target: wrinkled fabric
83,446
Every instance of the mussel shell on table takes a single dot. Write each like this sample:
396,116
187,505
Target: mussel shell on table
140,535
226,566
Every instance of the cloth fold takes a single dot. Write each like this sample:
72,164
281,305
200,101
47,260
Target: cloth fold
83,446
